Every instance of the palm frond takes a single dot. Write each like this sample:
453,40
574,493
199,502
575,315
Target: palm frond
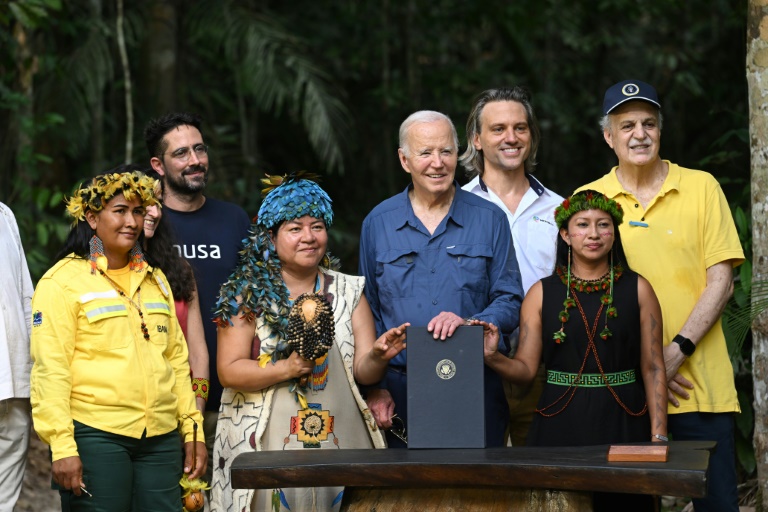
78,83
277,71
740,314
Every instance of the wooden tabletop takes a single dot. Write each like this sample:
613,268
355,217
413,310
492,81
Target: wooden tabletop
573,468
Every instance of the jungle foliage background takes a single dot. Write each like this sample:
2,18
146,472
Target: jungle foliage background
323,87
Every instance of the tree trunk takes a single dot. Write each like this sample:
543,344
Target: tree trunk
387,179
128,91
98,159
160,54
757,76
26,68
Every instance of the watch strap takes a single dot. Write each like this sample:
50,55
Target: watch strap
687,347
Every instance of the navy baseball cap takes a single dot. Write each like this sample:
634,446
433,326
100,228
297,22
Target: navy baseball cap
629,90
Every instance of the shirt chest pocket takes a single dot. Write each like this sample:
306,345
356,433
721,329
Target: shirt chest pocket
105,326
158,319
541,247
469,266
395,273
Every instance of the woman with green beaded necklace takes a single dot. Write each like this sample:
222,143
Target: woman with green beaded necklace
597,327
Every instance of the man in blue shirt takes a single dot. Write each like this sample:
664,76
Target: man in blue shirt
436,255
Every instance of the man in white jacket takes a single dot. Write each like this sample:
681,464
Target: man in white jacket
502,140
15,363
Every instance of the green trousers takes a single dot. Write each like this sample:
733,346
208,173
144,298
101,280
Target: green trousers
125,474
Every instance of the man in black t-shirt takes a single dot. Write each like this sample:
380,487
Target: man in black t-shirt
209,232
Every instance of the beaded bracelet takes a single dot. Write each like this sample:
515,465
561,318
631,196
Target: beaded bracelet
200,387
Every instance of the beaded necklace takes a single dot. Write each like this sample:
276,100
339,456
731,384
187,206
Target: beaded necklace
120,292
591,347
573,283
310,333
586,285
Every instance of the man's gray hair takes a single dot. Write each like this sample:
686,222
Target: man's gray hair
472,159
424,116
605,121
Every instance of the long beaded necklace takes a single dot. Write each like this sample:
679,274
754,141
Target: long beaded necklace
573,283
591,347
120,292
311,337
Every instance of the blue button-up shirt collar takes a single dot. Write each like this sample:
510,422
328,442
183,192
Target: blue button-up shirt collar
410,219
467,266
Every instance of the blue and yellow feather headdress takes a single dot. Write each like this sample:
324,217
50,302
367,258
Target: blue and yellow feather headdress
292,197
256,286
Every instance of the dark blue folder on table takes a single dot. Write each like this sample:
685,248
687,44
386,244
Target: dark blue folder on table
446,390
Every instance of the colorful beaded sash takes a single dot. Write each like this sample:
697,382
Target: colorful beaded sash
590,380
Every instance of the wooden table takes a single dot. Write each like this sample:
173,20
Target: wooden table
474,472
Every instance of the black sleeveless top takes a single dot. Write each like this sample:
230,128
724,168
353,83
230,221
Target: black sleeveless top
593,416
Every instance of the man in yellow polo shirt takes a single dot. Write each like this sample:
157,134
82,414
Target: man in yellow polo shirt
679,234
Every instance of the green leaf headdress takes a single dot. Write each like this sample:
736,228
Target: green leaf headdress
587,200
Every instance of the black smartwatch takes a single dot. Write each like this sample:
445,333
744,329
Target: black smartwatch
686,346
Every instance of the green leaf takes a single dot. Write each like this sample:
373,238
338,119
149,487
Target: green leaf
21,15
62,230
53,119
42,234
745,421
56,199
54,5
42,198
746,455
742,223
745,276
741,297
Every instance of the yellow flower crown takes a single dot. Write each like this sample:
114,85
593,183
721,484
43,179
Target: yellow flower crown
104,187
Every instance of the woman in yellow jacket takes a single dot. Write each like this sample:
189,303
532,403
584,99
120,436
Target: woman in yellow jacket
110,381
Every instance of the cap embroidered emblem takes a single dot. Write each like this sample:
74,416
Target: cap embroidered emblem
630,90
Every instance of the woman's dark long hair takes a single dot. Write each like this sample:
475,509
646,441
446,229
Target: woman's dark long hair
617,250
77,241
160,252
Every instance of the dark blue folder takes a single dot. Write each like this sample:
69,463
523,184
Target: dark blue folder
446,406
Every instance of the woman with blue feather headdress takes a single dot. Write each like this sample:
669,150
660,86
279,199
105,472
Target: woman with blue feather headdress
295,336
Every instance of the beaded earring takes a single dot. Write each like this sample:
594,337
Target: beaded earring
136,259
607,299
560,335
96,247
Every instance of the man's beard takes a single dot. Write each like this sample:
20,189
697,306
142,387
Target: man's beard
181,185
